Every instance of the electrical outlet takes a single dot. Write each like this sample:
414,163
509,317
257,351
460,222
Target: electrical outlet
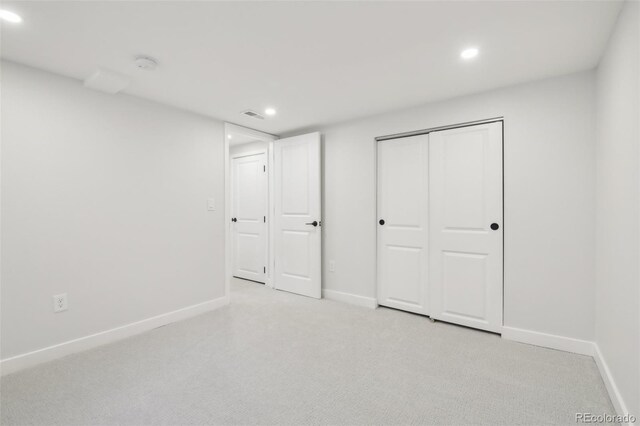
211,204
60,302
332,266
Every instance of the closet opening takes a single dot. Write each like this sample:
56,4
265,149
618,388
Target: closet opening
440,223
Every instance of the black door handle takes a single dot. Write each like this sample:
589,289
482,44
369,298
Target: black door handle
381,221
495,226
314,223
233,219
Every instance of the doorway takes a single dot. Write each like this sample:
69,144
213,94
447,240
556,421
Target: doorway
273,210
440,237
249,207
248,201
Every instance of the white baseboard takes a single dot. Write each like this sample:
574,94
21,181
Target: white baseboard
353,299
567,344
30,359
614,392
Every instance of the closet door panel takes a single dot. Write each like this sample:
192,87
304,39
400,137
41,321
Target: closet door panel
465,229
403,224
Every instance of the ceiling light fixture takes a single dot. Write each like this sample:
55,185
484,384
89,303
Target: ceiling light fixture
229,136
469,53
270,111
9,16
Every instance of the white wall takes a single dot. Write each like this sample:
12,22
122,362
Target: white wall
105,198
618,207
549,154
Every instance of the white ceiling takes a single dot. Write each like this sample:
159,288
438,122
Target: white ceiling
316,62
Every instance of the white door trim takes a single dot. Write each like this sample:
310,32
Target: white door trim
250,153
435,129
233,129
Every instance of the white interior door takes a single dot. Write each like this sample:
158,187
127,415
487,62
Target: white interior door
248,211
403,223
297,232
465,232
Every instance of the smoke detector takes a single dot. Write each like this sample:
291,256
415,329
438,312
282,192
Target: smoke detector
146,62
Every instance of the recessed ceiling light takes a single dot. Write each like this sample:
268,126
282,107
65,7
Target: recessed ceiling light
270,111
469,53
229,136
8,16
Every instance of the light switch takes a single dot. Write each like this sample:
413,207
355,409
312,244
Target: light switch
211,204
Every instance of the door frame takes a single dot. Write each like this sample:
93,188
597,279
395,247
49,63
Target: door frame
377,139
264,151
234,129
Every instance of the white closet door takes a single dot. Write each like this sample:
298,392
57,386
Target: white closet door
403,224
465,232
248,211
297,215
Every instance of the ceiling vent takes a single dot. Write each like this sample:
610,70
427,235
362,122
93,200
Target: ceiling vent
252,114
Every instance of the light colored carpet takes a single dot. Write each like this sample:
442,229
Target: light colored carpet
276,358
